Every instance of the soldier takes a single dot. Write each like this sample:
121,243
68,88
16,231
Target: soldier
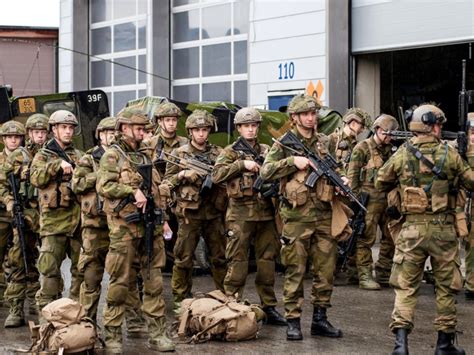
120,184
426,170
22,286
250,217
51,172
469,242
12,134
307,218
94,229
167,115
367,157
149,130
198,213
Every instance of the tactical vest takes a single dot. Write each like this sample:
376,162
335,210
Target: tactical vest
92,203
369,172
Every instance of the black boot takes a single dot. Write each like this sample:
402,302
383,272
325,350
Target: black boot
401,341
294,329
273,317
445,345
321,326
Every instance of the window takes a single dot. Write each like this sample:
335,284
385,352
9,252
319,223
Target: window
186,93
100,74
124,37
216,92
216,59
216,21
101,10
123,75
186,26
186,63
100,40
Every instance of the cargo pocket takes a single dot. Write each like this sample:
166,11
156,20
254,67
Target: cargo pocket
397,269
89,204
48,198
456,282
289,253
115,260
46,263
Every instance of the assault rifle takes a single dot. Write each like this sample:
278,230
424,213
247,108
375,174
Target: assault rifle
53,146
347,249
320,167
200,164
152,216
448,135
267,190
159,163
19,216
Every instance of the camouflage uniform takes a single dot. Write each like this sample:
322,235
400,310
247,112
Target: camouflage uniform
367,157
118,179
250,218
196,214
469,242
59,216
307,220
428,230
6,232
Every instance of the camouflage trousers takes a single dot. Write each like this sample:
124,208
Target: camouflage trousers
22,286
424,236
6,234
263,235
188,237
469,259
375,217
125,249
304,240
53,251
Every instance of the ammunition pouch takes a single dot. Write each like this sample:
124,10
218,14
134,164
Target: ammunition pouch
295,191
48,197
414,200
241,186
188,197
324,191
90,204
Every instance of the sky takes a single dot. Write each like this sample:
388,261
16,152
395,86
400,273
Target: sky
36,13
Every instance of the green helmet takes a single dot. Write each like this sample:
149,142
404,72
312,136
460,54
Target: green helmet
200,118
167,109
62,116
359,115
247,115
37,121
12,128
106,124
303,103
386,122
424,117
131,116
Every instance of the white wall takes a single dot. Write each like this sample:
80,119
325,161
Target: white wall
387,24
65,41
284,32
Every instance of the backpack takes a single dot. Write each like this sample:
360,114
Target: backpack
217,316
68,329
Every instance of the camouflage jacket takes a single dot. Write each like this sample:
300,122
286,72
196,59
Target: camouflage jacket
59,209
342,145
421,190
18,163
367,158
299,203
189,201
244,203
118,179
159,143
4,215
83,184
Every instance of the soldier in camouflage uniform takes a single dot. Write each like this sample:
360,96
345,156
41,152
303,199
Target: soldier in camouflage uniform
12,134
250,217
94,229
51,172
198,214
167,115
426,170
367,157
20,285
120,185
307,221
469,246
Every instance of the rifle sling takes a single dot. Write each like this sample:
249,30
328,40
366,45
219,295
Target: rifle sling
434,168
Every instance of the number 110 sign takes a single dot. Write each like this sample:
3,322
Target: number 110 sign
286,70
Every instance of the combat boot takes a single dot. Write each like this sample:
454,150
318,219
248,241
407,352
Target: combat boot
158,339
445,345
136,325
294,329
113,340
366,280
273,317
177,308
321,326
401,341
382,276
469,295
16,317
352,276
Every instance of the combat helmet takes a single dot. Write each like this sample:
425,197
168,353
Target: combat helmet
386,122
200,118
359,115
303,103
247,115
167,109
424,117
130,115
105,124
37,121
62,116
12,128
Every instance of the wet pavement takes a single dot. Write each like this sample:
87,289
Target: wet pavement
362,315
